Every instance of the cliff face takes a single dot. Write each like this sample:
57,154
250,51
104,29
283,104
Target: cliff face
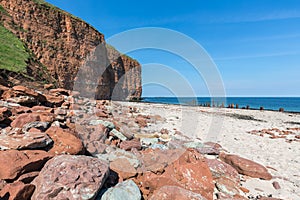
63,44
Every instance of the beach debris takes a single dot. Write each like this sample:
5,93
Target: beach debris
289,134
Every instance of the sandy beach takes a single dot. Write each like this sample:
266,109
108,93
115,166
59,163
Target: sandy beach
267,137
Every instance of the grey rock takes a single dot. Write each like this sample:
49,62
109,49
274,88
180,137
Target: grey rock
126,190
39,125
118,134
158,146
107,124
149,141
193,145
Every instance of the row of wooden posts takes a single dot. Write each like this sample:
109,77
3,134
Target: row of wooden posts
231,106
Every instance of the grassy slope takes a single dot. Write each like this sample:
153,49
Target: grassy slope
13,55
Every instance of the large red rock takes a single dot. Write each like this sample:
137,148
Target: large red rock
60,91
189,171
17,191
225,176
23,95
16,139
155,160
228,186
54,100
15,163
246,167
42,109
123,167
25,118
175,193
221,169
70,177
131,144
64,141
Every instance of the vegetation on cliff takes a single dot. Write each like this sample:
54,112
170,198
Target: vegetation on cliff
13,54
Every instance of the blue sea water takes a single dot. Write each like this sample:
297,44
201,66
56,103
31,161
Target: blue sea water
290,104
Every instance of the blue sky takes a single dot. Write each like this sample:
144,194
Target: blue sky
254,43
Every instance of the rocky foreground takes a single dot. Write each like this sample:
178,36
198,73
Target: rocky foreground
57,145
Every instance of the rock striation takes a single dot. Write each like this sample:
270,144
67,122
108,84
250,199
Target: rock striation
63,44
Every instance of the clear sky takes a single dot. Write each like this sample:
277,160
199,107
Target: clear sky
254,43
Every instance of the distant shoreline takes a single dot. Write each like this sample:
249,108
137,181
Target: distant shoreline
288,104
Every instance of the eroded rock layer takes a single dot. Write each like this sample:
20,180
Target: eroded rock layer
64,44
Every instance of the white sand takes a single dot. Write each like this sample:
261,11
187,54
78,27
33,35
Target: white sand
213,124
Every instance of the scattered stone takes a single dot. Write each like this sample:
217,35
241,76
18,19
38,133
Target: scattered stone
268,198
175,192
24,140
93,140
149,141
158,146
222,196
70,177
276,185
221,169
60,91
54,100
193,145
107,124
210,148
25,118
123,167
126,190
64,141
189,171
124,130
141,121
118,134
115,154
42,109
17,191
164,131
23,95
128,145
246,167
227,186
20,162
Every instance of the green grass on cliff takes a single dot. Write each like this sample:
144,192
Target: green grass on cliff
13,55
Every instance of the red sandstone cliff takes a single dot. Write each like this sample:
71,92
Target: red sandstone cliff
64,43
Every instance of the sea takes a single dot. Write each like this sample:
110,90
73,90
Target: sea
289,104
